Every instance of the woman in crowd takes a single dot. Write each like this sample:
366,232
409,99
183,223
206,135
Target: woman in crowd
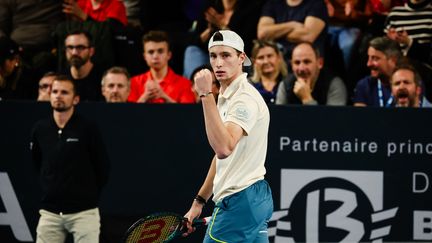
269,68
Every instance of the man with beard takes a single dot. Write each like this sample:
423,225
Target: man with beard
310,83
86,74
71,158
374,90
116,85
406,88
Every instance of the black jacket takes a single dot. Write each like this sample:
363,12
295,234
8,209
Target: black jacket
73,164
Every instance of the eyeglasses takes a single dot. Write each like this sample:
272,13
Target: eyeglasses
79,48
44,86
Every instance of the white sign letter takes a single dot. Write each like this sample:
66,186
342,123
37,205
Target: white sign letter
422,225
284,141
426,182
13,215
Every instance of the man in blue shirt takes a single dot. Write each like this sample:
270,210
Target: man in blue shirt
374,90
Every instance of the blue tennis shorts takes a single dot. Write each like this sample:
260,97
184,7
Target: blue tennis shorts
242,216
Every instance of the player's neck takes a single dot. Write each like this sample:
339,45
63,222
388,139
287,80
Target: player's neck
227,82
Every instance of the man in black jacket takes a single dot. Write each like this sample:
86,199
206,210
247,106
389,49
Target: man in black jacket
69,153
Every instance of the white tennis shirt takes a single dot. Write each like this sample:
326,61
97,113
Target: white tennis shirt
242,104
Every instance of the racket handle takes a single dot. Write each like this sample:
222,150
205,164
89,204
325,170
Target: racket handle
201,221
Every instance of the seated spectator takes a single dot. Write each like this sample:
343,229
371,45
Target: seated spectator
374,89
85,74
347,19
269,68
410,25
373,28
160,84
116,85
17,79
310,83
219,15
215,84
406,88
98,10
177,21
45,84
380,10
133,8
106,20
293,21
30,24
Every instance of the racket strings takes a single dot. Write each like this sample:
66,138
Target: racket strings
155,229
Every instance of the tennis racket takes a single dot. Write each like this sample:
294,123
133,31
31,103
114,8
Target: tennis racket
160,227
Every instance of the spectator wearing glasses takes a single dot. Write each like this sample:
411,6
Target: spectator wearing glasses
45,83
85,73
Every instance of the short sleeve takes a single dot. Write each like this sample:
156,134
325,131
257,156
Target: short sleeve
243,112
360,92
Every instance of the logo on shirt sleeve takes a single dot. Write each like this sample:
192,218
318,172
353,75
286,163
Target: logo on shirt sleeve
242,113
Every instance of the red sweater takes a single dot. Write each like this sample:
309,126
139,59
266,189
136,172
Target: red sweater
175,86
113,9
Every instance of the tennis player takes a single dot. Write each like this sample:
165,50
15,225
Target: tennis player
237,130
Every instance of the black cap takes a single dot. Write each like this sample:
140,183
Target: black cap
8,48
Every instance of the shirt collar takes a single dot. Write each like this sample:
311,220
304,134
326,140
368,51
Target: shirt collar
168,77
234,86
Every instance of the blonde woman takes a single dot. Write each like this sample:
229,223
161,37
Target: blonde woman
269,68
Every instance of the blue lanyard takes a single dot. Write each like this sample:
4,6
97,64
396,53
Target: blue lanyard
381,97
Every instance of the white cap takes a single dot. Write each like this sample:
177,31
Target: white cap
231,39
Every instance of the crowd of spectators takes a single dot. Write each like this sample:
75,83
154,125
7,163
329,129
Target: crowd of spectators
346,50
